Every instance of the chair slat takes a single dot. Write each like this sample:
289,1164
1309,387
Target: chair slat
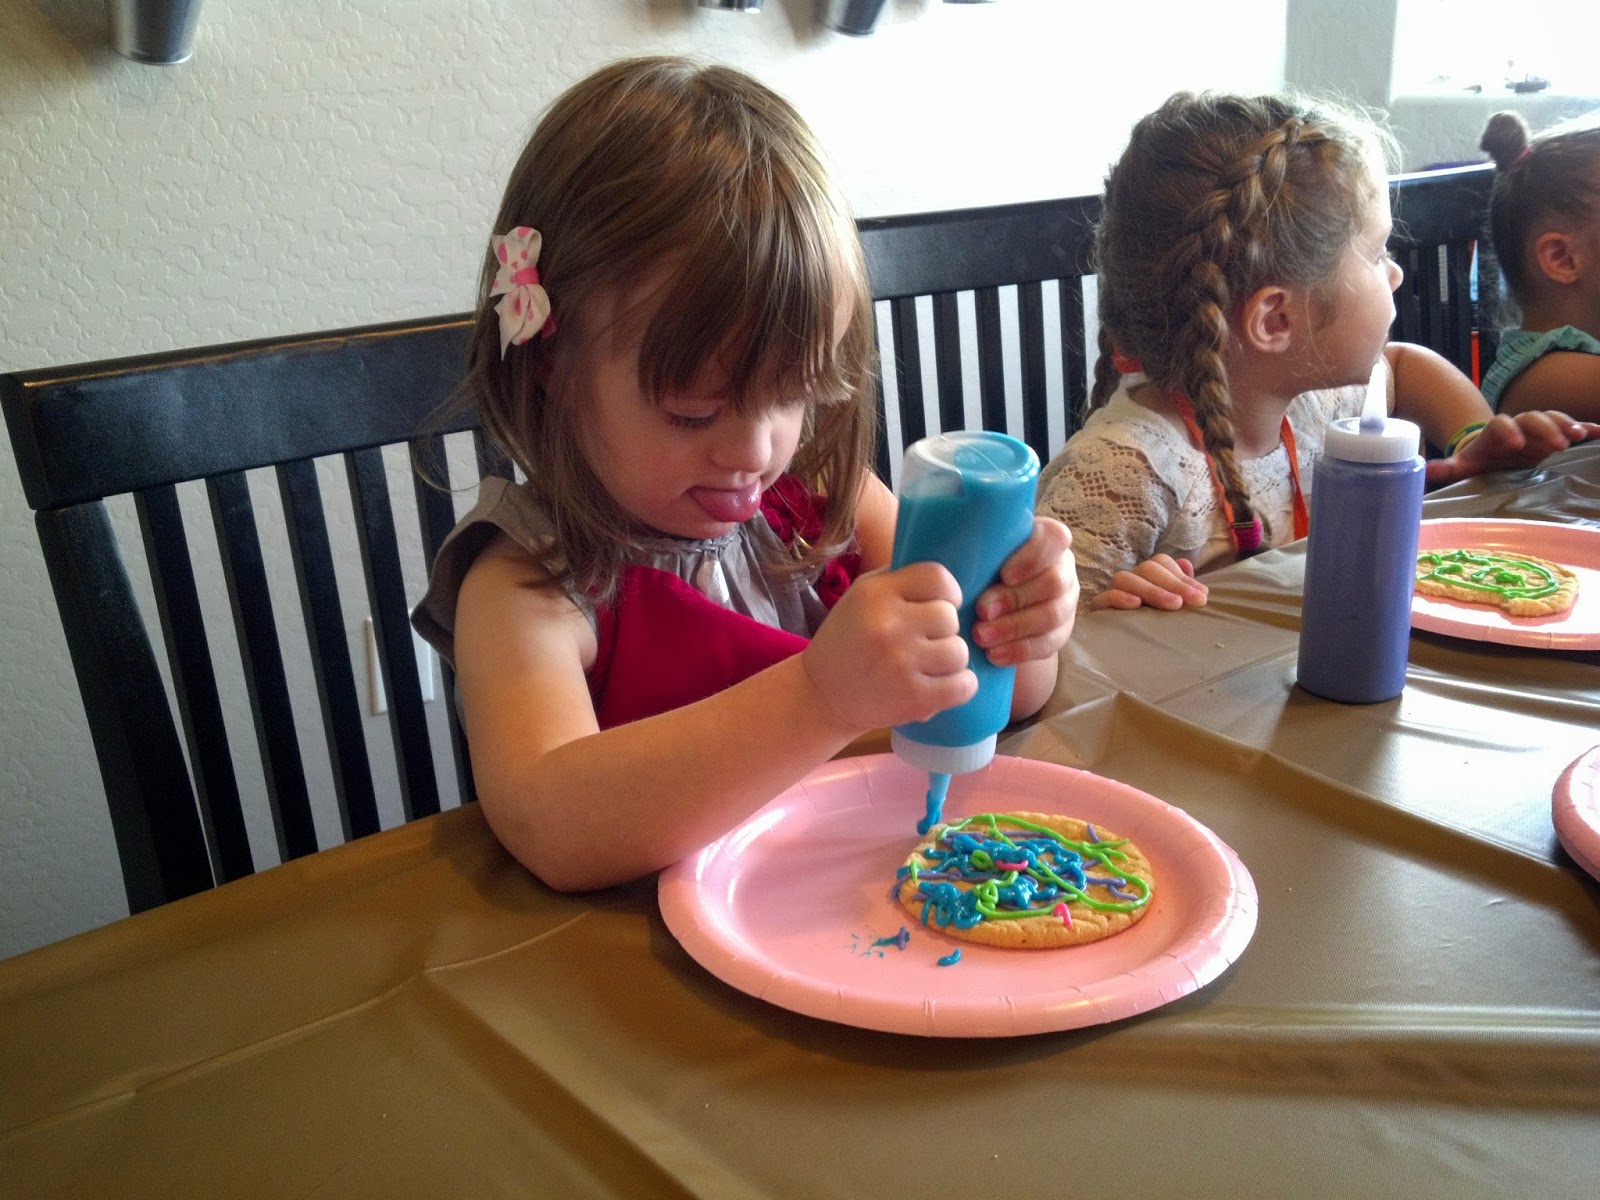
947,361
160,840
339,701
430,478
194,680
1074,353
246,573
1459,320
1432,297
380,555
1035,400
991,361
908,370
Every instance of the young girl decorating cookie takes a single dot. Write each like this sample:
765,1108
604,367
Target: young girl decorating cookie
1245,296
684,608
1544,220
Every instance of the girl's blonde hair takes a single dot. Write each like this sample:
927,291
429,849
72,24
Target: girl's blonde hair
706,183
1552,177
1215,197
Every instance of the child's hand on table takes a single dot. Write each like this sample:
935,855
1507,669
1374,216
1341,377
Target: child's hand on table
1160,582
1507,443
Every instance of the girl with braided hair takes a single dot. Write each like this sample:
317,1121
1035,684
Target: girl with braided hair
1544,219
1246,294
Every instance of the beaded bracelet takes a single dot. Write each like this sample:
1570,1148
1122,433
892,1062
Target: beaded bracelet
1464,435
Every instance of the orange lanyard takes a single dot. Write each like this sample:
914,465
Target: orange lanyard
1247,534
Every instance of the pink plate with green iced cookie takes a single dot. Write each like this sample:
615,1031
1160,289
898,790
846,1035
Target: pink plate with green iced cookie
1576,547
794,906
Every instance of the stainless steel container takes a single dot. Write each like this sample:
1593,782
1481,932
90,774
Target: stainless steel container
154,31
752,6
855,17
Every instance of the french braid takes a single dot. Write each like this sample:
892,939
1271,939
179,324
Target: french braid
1216,197
1105,375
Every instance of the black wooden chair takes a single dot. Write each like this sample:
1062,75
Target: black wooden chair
142,427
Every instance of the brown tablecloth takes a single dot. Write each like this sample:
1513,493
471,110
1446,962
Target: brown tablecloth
413,1015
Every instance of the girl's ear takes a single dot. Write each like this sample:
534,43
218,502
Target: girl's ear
1556,257
1269,319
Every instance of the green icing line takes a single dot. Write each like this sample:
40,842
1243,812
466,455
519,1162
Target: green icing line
1493,574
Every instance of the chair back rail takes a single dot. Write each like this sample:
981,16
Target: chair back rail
143,427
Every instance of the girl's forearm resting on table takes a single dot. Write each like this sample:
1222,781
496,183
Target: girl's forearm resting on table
619,803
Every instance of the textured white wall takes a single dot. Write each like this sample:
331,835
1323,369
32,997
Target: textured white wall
318,165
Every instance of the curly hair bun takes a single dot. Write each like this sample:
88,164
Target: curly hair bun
1504,139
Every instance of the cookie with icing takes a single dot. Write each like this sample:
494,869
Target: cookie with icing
1521,585
1030,881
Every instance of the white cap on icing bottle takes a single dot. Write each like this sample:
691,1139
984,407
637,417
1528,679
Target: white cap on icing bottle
1386,440
943,760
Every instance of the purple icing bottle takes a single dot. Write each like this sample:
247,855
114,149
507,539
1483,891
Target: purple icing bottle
1366,513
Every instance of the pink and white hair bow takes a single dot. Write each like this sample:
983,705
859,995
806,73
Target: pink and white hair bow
525,307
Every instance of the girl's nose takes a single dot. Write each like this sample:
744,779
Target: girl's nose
744,443
1396,274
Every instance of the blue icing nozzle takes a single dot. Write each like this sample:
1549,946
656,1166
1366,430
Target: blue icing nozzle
938,788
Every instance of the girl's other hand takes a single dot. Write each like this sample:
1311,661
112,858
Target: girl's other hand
891,651
1029,613
1508,443
1159,582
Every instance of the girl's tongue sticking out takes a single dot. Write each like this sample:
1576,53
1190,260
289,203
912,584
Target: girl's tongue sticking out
732,505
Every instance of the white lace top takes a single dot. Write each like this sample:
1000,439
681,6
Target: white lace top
1130,485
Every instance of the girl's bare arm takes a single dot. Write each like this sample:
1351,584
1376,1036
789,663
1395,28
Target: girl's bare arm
1563,380
585,808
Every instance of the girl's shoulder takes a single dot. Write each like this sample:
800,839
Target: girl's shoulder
1125,436
508,519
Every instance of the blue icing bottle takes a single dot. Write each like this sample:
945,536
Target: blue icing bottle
1361,559
966,501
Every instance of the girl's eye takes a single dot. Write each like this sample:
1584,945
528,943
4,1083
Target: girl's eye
689,420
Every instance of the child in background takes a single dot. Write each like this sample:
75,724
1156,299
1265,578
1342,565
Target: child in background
1544,220
679,614
1246,293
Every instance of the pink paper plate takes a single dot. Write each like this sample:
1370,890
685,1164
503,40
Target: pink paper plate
1574,546
788,906
1576,809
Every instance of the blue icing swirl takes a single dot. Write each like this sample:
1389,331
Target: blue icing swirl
1036,873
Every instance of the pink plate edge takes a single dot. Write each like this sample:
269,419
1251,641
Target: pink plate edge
1214,938
1575,809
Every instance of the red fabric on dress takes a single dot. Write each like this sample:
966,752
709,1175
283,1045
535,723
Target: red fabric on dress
662,644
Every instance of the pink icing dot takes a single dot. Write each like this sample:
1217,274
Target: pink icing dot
1061,911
